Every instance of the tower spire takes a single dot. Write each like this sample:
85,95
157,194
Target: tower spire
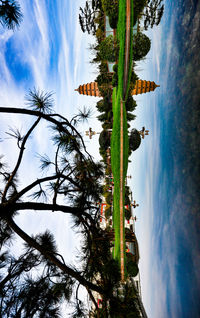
91,89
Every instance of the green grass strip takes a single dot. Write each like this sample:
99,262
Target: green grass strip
131,51
121,34
115,138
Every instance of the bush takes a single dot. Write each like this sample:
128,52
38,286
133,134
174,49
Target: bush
138,9
127,214
131,266
115,80
103,106
107,125
108,212
100,35
102,79
111,8
106,91
103,68
109,49
127,200
105,116
130,103
109,198
141,46
115,68
104,139
134,139
113,19
130,116
108,170
132,269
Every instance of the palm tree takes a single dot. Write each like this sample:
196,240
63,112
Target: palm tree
10,14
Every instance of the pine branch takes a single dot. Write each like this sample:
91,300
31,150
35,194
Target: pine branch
51,257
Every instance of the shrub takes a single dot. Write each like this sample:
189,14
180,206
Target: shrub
103,68
138,9
103,106
134,139
109,49
130,116
104,139
105,116
141,46
106,91
109,198
132,269
115,80
130,103
108,212
108,170
127,214
107,125
113,20
110,7
102,79
100,35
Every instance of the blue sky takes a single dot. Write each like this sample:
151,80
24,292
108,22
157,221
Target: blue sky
50,52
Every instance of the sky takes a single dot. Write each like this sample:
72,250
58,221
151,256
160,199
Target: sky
50,52
165,165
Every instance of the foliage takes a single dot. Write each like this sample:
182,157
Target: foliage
72,175
104,106
115,75
130,116
105,116
126,306
104,139
108,212
109,198
106,91
133,80
87,16
130,103
132,267
107,125
109,49
134,139
141,46
102,79
153,13
138,7
110,7
10,14
127,214
99,35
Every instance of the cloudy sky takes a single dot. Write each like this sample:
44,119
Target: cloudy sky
48,52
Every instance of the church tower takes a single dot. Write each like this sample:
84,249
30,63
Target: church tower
91,89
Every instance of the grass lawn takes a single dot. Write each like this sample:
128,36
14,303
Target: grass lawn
115,139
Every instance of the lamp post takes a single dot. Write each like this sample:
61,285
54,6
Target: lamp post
91,133
144,132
